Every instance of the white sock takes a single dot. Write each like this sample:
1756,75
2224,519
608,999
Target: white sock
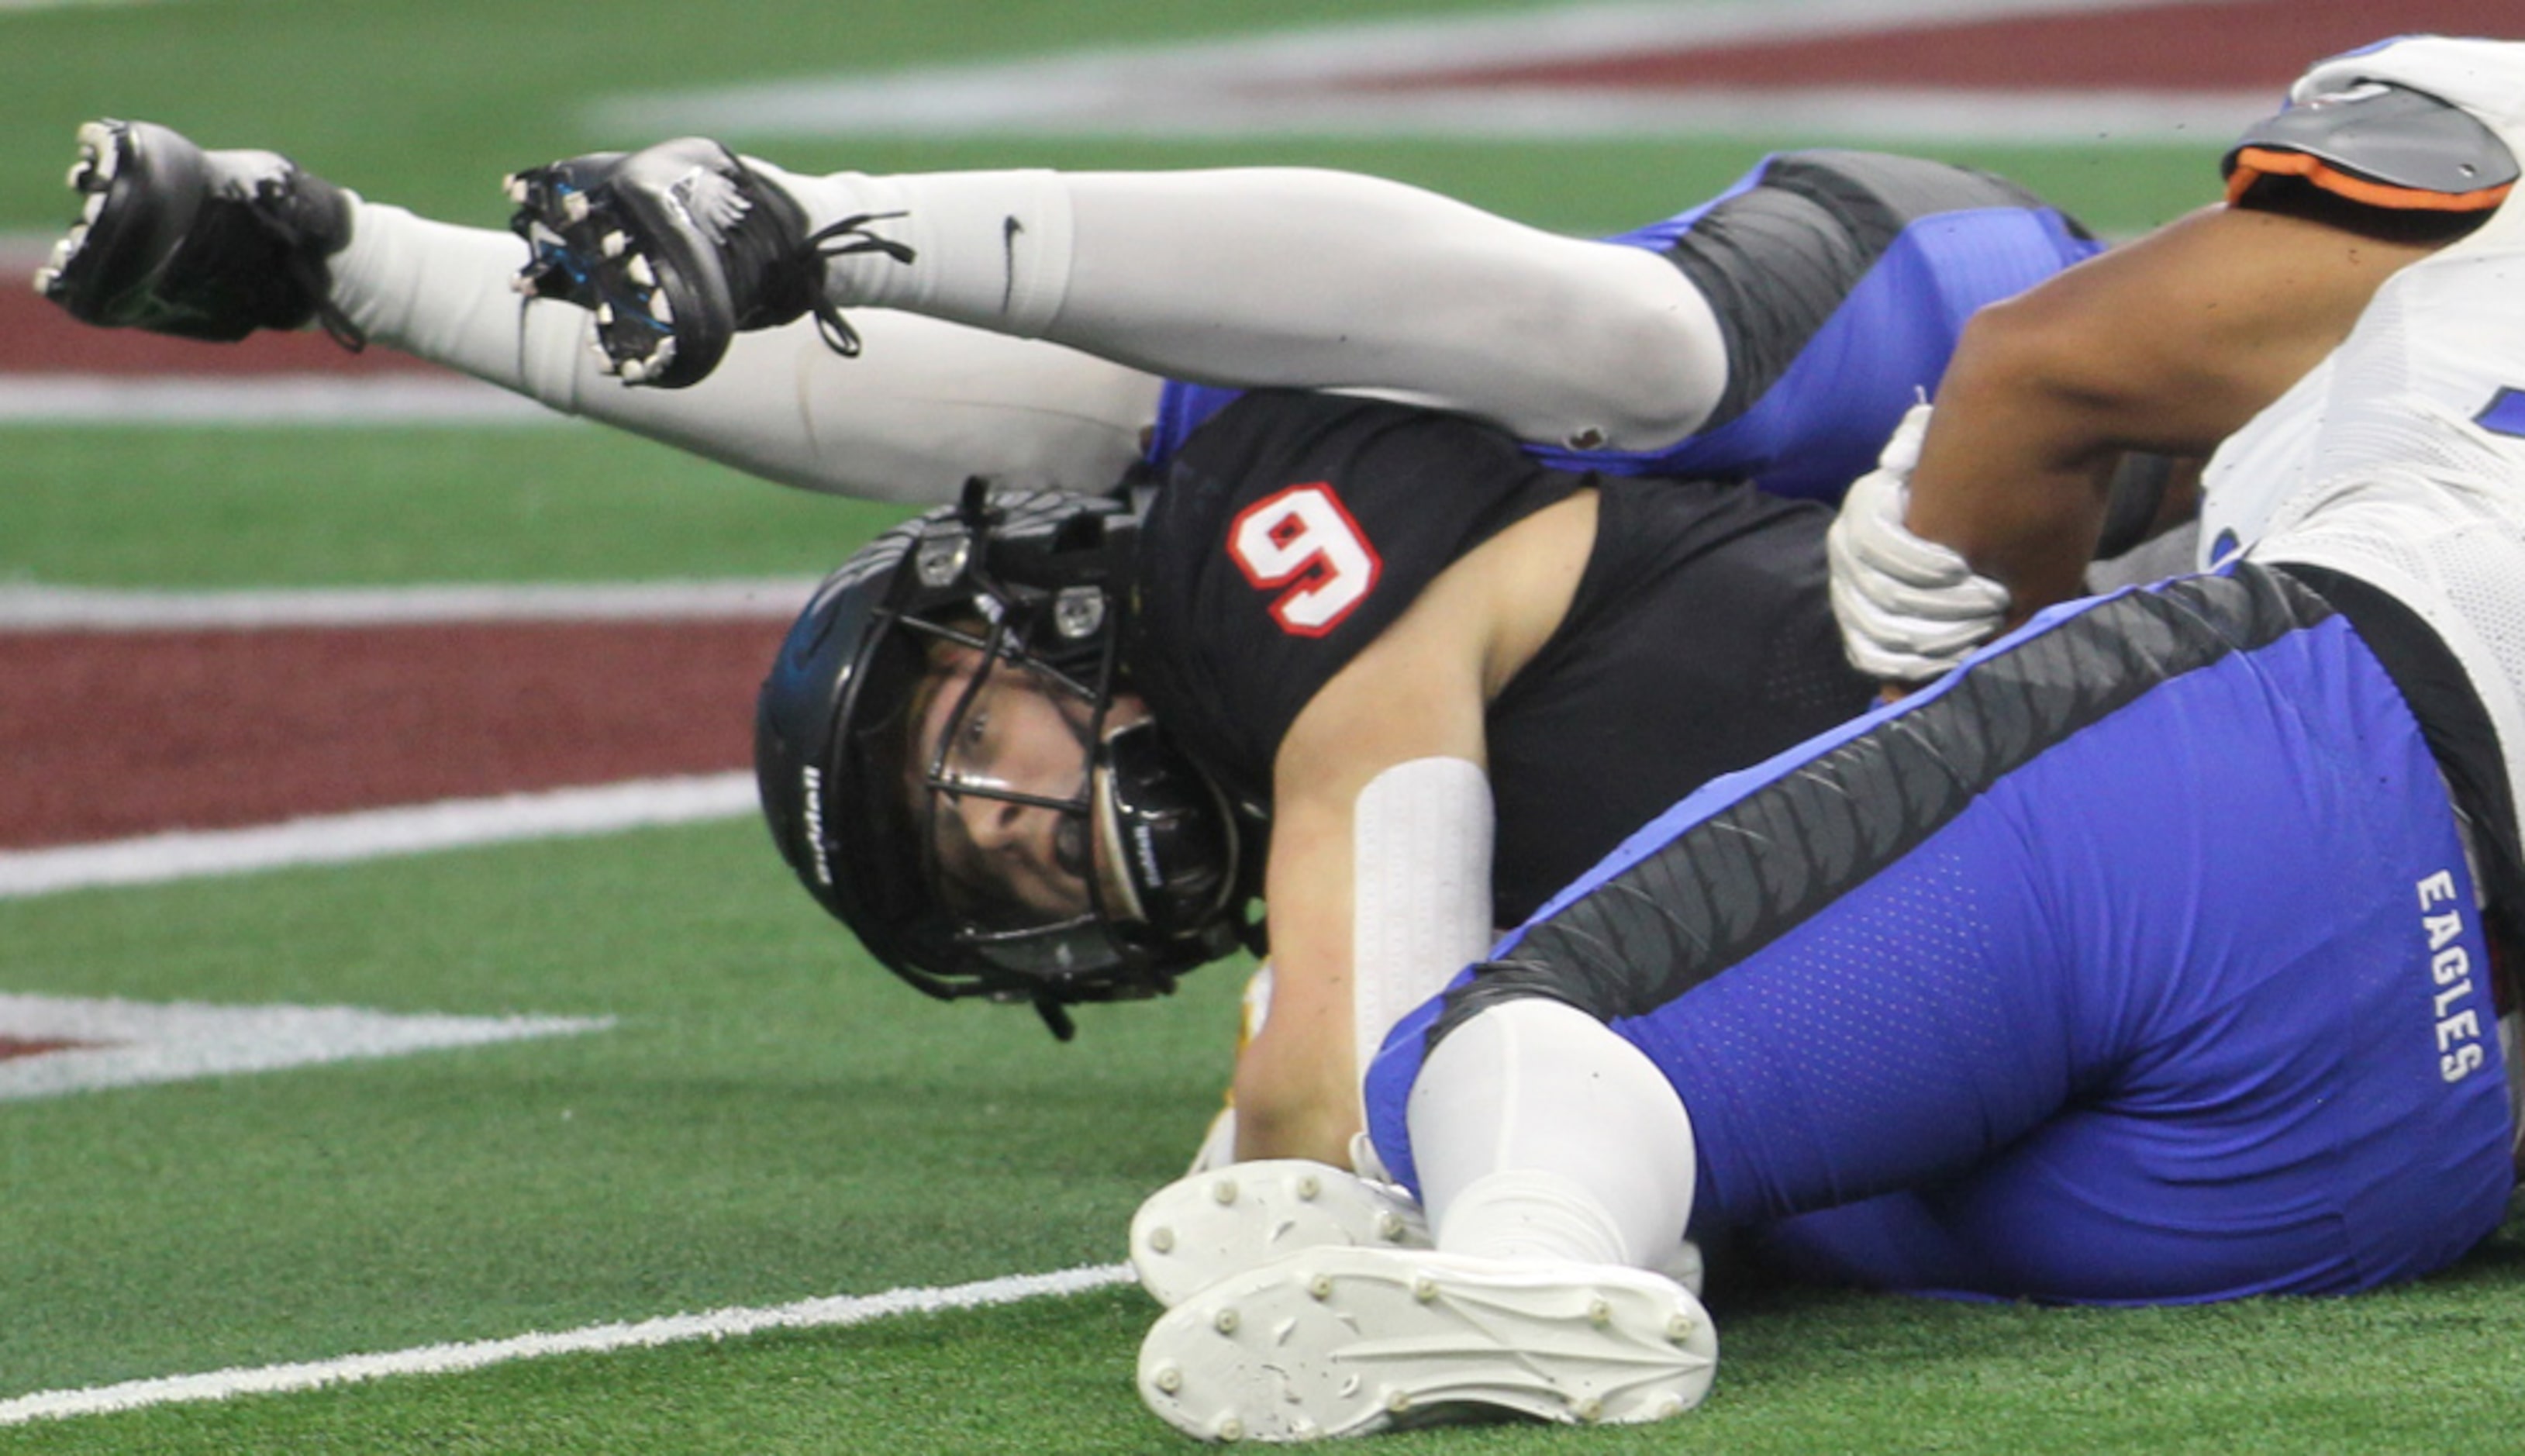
988,248
1295,277
925,404
1540,1134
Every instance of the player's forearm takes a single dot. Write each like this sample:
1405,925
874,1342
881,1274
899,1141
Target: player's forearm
1297,277
2014,468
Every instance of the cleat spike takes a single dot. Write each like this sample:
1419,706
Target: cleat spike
1162,1239
635,370
662,311
60,256
1308,1186
45,280
614,243
519,190
662,356
81,170
1224,1322
94,209
1168,1378
1224,1190
576,207
605,316
639,272
529,283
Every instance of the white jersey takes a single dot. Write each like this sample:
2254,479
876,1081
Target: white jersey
2400,460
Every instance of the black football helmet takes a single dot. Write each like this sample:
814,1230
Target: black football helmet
1032,583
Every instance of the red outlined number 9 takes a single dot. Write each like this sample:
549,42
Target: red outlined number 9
1304,540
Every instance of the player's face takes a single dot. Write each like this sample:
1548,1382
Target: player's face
1020,836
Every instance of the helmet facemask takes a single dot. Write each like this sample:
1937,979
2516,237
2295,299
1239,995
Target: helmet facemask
892,799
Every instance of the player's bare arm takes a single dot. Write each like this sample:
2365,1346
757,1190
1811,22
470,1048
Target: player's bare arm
2166,345
1418,691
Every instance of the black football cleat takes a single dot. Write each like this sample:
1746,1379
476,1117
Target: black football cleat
207,246
677,249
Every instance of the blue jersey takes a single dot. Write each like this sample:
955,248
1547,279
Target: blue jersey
1841,281
2139,960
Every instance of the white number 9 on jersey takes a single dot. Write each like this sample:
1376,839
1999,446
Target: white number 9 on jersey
1303,539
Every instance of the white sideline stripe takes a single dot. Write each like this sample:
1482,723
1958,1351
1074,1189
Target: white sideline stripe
35,608
262,399
1322,81
450,1359
7,6
140,1043
343,839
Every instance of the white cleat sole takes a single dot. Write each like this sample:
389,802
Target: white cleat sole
1200,1229
1347,1341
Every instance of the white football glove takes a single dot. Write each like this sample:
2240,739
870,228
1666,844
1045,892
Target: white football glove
1910,609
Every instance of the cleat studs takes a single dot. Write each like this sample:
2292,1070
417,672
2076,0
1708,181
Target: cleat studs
1588,1411
1168,1378
1389,1225
663,355
1667,1408
519,191
529,284
1224,1190
605,315
1320,1286
1162,1239
61,255
1397,1400
1679,1327
639,272
662,311
1599,1313
1424,1288
76,237
45,280
1229,1429
1308,1188
1225,1321
575,207
94,209
635,370
614,244
81,170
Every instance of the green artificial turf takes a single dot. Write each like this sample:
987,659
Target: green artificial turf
191,507
771,1119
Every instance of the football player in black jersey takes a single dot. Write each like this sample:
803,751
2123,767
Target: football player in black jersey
1332,590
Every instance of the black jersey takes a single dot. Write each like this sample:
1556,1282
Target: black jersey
1293,529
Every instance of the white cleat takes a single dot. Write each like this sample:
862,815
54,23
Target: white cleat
1200,1229
1346,1341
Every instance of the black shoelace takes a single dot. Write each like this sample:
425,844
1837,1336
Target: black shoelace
843,239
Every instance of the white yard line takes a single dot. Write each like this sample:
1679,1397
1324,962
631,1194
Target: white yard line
38,608
1331,81
262,399
375,834
448,1359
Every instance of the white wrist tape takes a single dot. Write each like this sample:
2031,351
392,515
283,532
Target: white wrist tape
1908,608
1421,889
